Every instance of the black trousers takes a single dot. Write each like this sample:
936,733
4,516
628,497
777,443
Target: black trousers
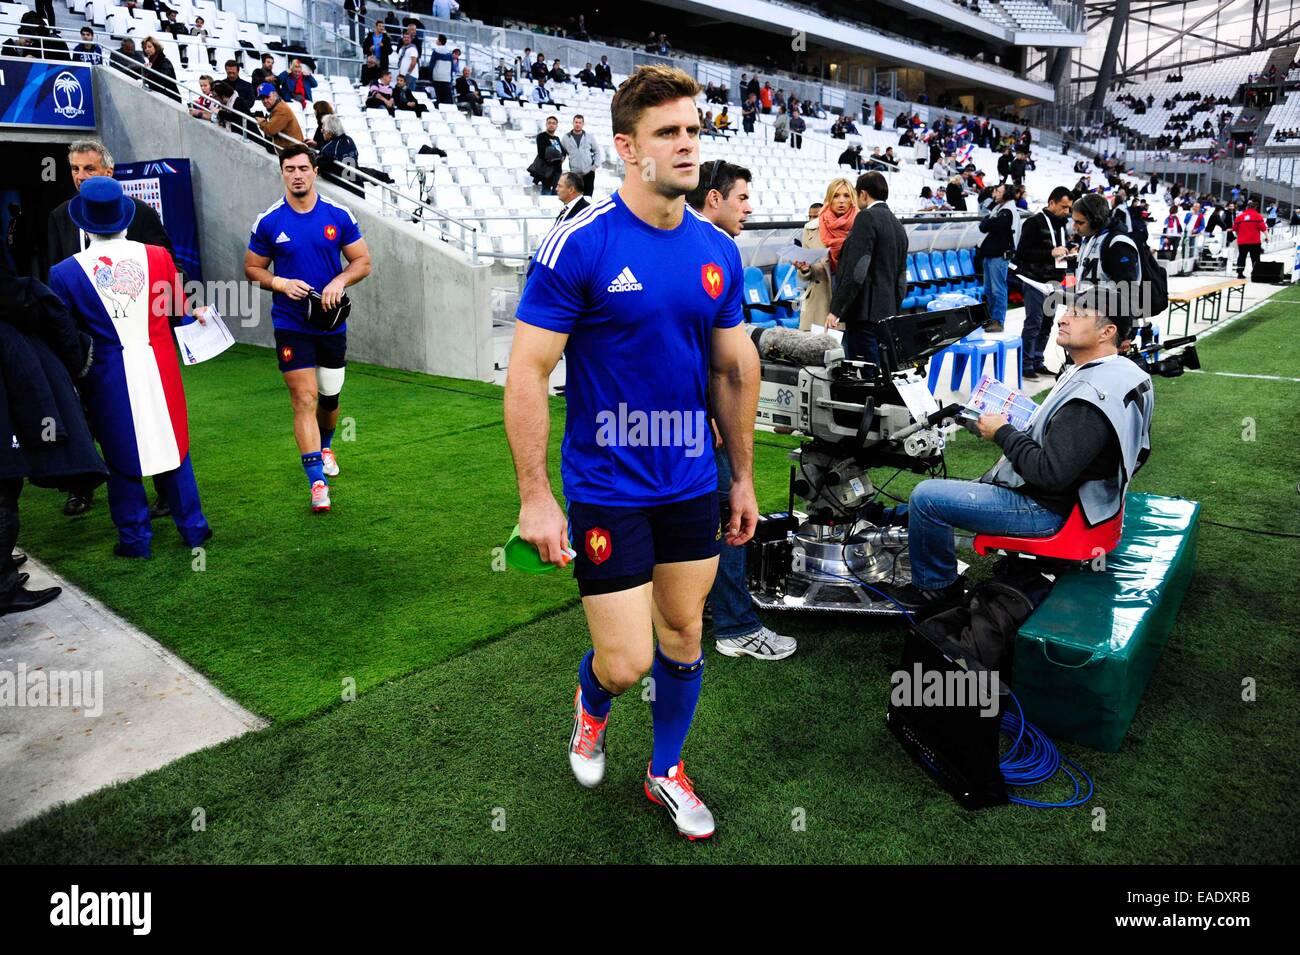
589,183
10,489
1242,252
46,9
444,94
860,342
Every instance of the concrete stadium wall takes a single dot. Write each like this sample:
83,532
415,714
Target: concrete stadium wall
423,308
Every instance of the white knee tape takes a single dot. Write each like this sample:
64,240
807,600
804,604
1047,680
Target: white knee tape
329,381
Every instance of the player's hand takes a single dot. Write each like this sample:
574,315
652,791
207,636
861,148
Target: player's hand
988,425
296,289
744,513
543,525
332,294
832,321
1060,252
201,314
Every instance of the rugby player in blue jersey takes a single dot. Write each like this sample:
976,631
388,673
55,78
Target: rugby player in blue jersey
642,295
304,234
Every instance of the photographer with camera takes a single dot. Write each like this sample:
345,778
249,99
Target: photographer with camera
1081,448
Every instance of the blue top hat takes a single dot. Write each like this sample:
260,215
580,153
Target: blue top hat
101,208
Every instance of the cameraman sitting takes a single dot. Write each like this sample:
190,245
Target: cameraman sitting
1082,446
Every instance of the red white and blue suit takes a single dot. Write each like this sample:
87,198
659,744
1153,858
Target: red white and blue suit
124,294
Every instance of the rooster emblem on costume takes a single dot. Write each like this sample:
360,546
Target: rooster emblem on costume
119,284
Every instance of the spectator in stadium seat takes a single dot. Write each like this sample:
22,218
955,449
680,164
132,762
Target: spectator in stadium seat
266,72
322,109
557,73
442,67
826,230
749,113
538,68
549,163
468,96
296,85
587,76
722,121
507,89
88,51
1004,164
280,126
765,97
797,127
879,115
404,99
159,7
781,126
442,9
585,154
955,195
157,61
355,13
707,127
542,95
338,157
242,90
205,105
569,190
1250,227
380,44
408,59
604,74
370,71
871,275
380,94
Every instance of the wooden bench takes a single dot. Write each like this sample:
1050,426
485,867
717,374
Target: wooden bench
1193,302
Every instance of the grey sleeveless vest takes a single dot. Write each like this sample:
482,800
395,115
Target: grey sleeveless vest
1123,393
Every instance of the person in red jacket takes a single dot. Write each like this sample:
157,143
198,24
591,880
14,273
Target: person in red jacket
1250,228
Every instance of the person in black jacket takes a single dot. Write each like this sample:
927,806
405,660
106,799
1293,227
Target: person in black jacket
41,353
871,278
468,95
1004,164
955,194
242,88
157,61
999,228
604,74
548,165
1041,261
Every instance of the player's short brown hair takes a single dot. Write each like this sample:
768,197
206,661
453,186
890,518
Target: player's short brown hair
649,86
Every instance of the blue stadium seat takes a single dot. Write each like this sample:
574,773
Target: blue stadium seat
757,300
926,275
912,299
787,293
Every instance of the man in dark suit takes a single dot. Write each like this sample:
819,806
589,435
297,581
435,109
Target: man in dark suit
604,74
569,189
88,158
871,278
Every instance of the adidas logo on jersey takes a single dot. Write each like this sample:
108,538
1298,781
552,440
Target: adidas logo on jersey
281,238
625,282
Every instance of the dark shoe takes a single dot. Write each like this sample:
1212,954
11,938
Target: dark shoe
925,603
121,550
21,600
23,578
159,508
19,558
77,503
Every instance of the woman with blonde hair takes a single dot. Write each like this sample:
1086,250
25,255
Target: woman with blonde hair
828,231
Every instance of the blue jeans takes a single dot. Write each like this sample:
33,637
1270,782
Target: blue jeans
860,342
937,506
733,611
995,288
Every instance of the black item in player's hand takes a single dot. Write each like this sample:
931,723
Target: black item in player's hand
326,319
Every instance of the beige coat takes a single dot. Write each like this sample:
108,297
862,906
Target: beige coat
817,288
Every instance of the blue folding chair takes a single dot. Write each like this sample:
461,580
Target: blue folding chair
947,283
912,299
757,301
788,295
926,276
967,259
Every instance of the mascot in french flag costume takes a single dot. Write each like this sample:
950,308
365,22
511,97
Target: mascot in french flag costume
124,295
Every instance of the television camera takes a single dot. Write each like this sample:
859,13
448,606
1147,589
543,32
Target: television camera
857,416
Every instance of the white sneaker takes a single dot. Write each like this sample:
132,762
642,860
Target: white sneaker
331,463
320,497
587,745
764,644
676,793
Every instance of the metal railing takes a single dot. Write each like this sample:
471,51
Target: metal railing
392,201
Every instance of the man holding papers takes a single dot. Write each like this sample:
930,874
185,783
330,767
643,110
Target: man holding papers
124,294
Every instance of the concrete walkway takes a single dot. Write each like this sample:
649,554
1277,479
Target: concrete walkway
118,704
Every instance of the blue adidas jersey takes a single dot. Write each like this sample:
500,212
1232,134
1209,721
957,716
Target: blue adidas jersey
306,246
639,305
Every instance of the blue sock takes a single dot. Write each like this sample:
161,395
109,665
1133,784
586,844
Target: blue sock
595,698
311,463
326,436
676,691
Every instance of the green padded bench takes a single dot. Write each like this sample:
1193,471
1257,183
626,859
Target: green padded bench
1083,658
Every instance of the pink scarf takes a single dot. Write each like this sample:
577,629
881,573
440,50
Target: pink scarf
834,229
